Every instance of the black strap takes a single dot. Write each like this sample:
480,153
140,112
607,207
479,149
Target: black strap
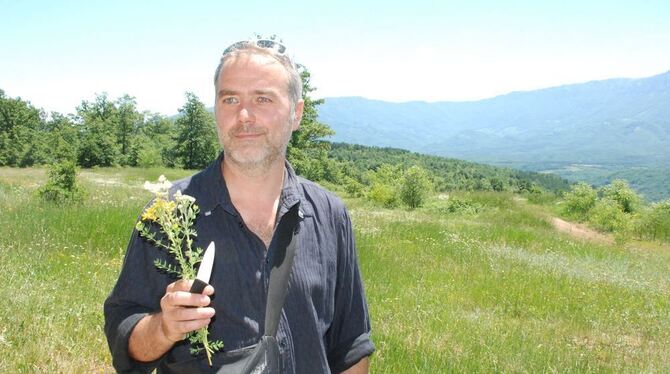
282,262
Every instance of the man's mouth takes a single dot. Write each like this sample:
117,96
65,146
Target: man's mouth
248,135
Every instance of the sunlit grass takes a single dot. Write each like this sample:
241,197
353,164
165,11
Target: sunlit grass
501,291
497,290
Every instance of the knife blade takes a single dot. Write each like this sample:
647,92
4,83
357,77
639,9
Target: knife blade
204,270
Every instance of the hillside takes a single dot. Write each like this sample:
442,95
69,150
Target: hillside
452,174
496,288
611,126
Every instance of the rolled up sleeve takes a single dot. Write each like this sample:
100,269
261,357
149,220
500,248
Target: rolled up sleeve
137,293
349,335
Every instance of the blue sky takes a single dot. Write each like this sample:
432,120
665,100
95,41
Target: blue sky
57,54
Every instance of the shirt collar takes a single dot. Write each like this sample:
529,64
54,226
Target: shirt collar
216,192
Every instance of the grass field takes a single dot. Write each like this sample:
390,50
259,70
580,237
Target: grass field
496,290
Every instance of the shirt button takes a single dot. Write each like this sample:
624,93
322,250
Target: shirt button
258,276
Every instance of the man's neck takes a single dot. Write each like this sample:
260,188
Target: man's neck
245,185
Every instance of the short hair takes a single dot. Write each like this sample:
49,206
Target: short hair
268,47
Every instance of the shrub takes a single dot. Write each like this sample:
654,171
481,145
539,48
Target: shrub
149,156
456,205
579,200
620,191
62,184
383,194
655,222
352,186
606,215
415,186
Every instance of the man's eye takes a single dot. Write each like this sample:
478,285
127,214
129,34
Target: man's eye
229,100
263,99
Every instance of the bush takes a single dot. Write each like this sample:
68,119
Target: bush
608,216
456,205
149,156
655,222
353,187
415,186
620,191
383,194
579,201
62,185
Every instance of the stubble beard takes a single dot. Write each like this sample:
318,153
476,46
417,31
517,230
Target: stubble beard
262,157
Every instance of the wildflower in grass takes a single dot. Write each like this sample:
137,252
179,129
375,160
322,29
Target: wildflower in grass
168,224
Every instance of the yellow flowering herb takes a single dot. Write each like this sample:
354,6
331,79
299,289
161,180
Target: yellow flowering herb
168,224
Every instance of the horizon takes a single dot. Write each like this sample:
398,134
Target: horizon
176,112
59,55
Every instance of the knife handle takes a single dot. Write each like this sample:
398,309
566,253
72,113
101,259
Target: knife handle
198,286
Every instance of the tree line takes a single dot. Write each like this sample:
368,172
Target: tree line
106,132
113,132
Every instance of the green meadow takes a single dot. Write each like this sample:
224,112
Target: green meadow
492,287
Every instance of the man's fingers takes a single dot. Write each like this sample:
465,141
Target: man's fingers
184,299
209,290
180,285
184,327
177,330
179,321
189,314
185,285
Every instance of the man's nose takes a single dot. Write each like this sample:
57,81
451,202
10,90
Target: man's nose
245,115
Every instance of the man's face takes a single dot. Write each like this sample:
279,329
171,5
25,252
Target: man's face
253,110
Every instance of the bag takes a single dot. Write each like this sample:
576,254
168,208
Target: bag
261,358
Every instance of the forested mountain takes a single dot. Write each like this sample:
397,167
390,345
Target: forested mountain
452,174
588,131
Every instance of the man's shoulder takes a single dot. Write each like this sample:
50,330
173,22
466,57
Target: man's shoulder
195,184
321,200
186,185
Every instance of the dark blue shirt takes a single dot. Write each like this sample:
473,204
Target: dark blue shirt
324,325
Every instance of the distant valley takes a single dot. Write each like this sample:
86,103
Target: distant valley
595,131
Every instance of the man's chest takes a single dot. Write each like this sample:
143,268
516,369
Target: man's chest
241,279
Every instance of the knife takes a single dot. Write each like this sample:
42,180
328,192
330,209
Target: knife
204,271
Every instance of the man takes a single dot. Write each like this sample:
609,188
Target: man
242,196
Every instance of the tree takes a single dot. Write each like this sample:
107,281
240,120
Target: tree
308,151
608,216
415,187
154,144
196,142
99,145
620,191
580,200
19,124
62,185
128,120
655,222
384,185
63,138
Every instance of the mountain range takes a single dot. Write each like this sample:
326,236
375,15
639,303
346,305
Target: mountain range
593,131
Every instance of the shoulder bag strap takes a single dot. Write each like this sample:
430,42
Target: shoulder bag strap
282,263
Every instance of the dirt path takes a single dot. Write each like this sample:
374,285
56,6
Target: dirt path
579,231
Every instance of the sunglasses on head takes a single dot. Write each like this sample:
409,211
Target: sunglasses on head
269,43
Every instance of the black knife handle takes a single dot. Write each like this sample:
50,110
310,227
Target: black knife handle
198,286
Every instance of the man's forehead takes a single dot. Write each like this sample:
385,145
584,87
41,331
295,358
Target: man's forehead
249,59
248,67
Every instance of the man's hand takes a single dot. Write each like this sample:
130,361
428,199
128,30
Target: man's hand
181,312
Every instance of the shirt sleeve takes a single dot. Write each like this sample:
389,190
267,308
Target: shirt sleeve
137,292
349,335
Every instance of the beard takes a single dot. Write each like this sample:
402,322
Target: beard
257,154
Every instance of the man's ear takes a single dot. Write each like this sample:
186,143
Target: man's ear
297,114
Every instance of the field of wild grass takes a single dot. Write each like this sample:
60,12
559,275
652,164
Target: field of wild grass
488,286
